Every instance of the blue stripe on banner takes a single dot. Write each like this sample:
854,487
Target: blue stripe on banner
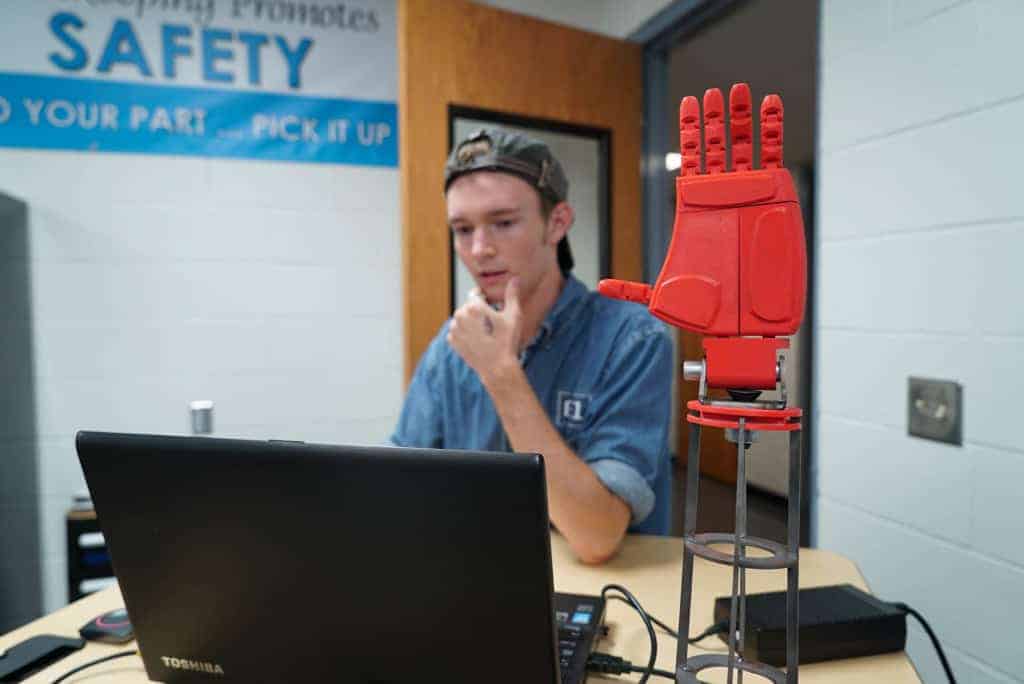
51,112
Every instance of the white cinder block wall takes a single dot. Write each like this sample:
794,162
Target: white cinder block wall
273,289
921,245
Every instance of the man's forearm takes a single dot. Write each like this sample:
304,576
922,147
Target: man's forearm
592,519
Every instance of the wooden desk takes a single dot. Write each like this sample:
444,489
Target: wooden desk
650,567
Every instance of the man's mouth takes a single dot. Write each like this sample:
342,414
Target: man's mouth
491,276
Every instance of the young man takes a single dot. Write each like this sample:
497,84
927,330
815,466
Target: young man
533,362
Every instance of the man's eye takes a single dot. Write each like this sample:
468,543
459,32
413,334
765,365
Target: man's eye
504,223
461,231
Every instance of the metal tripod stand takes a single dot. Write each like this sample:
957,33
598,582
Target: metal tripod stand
741,421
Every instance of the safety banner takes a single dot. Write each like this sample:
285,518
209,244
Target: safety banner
283,81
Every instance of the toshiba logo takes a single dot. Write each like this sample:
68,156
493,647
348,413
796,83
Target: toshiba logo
193,665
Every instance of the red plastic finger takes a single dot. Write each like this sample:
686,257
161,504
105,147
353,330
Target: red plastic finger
740,127
625,289
689,135
771,132
714,130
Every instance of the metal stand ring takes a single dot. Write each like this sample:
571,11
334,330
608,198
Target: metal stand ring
699,663
780,558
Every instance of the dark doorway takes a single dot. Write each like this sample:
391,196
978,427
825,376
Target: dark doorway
773,47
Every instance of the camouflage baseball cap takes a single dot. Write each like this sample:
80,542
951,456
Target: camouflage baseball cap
496,149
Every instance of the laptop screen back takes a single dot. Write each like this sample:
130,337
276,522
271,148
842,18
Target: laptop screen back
280,561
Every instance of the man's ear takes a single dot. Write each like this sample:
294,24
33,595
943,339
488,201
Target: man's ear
560,221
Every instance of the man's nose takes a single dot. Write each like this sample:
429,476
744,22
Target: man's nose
482,245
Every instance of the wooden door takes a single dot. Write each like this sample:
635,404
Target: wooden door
454,53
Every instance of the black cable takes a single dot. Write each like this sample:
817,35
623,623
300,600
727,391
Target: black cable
609,664
668,630
658,673
647,623
717,628
122,654
935,640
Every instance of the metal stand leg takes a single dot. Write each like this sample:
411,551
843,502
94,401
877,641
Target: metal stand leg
739,579
741,536
792,577
689,528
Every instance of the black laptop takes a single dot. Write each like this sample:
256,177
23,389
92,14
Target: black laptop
245,561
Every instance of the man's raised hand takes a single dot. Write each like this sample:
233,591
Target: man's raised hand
486,339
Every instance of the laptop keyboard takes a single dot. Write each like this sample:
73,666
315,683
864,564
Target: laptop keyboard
569,642
578,619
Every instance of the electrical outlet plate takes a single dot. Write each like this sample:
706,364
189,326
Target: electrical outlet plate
935,410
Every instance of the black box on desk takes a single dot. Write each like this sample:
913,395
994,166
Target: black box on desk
839,621
89,566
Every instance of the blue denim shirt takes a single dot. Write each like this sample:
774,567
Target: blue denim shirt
601,368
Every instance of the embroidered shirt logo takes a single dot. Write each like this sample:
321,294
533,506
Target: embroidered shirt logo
572,409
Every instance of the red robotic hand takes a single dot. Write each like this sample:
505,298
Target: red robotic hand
737,264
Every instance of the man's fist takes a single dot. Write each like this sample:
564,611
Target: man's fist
486,339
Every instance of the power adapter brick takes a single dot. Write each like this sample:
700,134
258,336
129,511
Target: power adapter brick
838,621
